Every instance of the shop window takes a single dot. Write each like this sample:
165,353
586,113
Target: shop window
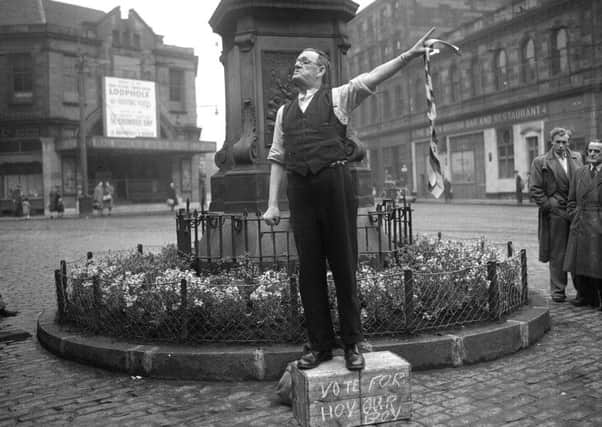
528,64
22,68
186,175
501,70
505,153
578,145
69,172
30,184
532,148
176,85
559,54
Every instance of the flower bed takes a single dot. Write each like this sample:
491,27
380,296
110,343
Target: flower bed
157,296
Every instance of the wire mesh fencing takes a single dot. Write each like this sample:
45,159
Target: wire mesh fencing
154,296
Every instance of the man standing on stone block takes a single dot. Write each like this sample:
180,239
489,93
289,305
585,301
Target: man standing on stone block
551,174
308,144
584,247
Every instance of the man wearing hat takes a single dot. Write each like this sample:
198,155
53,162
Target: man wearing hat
584,247
549,187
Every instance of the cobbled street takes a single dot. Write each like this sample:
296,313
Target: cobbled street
557,382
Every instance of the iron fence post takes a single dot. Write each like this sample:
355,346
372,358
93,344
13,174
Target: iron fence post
294,319
494,291
184,309
64,275
523,277
408,284
96,301
60,298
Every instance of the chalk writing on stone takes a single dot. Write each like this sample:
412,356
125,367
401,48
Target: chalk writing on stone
334,388
386,380
339,410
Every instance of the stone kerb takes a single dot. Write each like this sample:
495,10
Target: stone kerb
220,362
331,395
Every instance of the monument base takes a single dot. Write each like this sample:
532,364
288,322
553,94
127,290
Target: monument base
331,395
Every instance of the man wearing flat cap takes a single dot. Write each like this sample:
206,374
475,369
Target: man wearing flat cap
551,175
584,248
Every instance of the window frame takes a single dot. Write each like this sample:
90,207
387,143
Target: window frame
22,77
177,87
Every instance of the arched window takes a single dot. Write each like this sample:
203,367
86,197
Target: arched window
456,89
501,70
418,101
475,77
560,55
528,64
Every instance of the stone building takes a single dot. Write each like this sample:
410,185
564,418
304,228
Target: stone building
526,67
137,111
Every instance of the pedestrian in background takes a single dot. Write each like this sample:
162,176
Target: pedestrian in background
107,196
55,202
584,248
172,196
550,179
26,208
520,186
17,197
97,202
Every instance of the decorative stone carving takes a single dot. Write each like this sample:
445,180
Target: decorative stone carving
244,151
277,86
245,41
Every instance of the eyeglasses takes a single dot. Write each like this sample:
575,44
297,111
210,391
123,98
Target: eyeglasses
593,150
305,61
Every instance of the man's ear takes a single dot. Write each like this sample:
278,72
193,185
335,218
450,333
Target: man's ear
322,71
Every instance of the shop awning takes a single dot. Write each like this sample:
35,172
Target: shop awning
148,145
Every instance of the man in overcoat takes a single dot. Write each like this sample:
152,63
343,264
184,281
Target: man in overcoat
584,248
549,188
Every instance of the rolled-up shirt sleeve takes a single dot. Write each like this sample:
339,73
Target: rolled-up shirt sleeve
348,97
276,153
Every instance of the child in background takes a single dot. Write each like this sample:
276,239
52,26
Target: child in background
26,208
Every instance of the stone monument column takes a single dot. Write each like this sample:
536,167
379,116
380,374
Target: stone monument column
261,40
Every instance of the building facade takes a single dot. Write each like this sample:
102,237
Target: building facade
73,74
526,67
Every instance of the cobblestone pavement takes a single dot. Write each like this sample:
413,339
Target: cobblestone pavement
557,382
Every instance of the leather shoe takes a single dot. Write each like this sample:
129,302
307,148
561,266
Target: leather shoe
578,302
354,360
558,299
312,359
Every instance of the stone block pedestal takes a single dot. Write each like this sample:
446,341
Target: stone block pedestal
331,395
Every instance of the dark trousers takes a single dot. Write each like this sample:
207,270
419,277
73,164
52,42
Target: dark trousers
589,288
323,216
559,232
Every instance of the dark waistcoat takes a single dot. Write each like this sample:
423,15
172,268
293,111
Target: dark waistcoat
314,139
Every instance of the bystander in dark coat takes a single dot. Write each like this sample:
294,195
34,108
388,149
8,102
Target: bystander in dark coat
583,257
549,189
